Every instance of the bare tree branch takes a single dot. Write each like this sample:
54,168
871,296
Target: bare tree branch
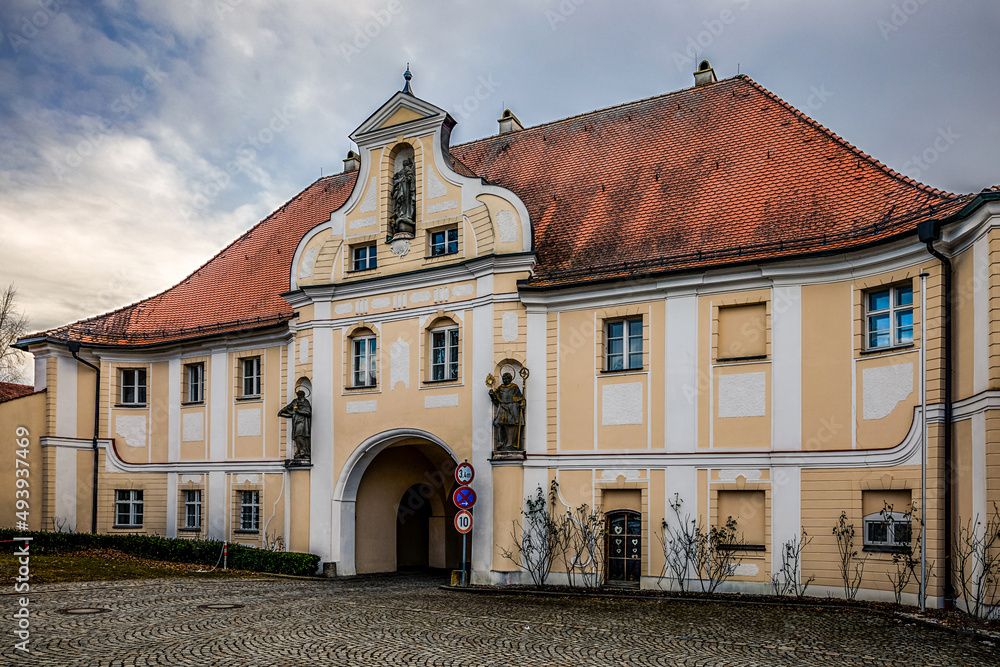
13,325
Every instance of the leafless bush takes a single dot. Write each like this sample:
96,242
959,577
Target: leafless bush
583,539
976,565
712,554
787,580
906,558
541,536
851,570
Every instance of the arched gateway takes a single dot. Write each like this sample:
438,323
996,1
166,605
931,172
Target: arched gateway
395,504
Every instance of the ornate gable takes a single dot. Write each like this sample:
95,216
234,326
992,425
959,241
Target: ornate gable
410,209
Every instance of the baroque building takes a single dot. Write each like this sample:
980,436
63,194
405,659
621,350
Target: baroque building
703,297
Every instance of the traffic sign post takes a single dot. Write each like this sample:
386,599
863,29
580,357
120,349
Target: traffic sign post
464,473
464,498
463,521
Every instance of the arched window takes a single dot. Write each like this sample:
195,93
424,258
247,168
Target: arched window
443,350
364,355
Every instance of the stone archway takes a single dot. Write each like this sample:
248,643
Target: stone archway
401,473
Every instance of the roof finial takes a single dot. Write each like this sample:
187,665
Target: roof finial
407,76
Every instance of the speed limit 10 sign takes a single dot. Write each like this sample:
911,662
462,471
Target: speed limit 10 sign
463,521
464,473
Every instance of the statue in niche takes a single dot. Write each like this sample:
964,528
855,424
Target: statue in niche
403,221
300,412
508,416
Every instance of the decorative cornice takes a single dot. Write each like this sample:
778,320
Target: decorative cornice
419,279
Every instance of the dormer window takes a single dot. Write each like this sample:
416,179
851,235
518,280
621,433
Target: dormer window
444,241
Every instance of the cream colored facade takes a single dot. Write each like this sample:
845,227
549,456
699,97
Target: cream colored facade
756,395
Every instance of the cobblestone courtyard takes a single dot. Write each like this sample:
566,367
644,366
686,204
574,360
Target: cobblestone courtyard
408,620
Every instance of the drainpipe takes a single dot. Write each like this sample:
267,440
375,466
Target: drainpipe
74,347
929,231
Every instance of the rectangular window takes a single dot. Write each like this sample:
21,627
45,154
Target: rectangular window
364,361
192,509
743,331
195,383
250,510
128,507
365,257
444,242
251,377
444,354
887,519
624,345
133,386
748,508
889,316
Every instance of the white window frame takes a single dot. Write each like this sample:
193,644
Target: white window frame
250,509
370,260
134,379
442,249
364,355
889,521
450,345
895,309
192,500
251,372
195,381
131,501
626,337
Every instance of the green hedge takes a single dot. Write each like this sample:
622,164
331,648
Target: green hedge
205,552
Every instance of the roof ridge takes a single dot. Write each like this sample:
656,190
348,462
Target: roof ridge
604,109
186,278
892,173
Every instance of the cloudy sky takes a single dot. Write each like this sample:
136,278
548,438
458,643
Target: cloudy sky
138,138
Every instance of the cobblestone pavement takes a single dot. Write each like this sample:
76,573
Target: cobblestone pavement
408,620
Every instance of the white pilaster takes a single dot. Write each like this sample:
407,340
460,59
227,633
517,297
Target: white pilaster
981,315
321,480
218,504
482,436
65,514
786,367
537,389
979,507
681,409
786,510
219,408
172,501
41,378
173,412
66,368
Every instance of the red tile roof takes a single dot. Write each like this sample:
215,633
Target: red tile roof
705,176
9,391
238,289
701,177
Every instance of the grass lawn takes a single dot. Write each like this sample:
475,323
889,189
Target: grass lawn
104,565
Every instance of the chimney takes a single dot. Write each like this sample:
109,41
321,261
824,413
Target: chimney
509,122
705,74
352,162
